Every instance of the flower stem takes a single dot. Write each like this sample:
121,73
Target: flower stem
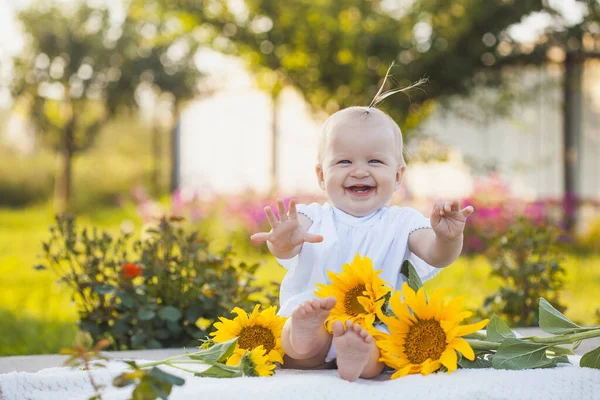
167,360
482,344
183,369
564,339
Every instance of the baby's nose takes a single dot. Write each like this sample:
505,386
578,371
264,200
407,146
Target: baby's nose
360,172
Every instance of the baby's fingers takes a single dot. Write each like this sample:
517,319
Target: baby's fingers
273,221
312,238
468,210
260,237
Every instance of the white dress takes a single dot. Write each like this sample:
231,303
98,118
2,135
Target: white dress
382,236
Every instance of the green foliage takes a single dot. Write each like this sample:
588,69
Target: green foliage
147,293
412,277
336,52
527,260
149,384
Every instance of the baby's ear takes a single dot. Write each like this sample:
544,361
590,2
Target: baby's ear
399,175
320,177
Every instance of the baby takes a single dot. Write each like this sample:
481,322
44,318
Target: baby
360,164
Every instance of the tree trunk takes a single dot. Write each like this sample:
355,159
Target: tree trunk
572,106
274,181
174,160
62,185
156,160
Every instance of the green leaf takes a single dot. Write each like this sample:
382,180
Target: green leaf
497,330
169,313
409,271
576,345
104,289
220,371
145,314
165,377
591,359
126,300
517,354
220,352
562,359
477,363
193,313
553,321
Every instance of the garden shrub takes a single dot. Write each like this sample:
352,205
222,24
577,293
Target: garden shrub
527,259
164,290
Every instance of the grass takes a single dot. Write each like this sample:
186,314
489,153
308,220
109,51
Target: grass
36,314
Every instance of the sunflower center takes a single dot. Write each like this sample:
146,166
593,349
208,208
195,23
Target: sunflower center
425,339
253,336
351,304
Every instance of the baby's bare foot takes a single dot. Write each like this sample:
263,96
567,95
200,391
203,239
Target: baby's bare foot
307,324
353,347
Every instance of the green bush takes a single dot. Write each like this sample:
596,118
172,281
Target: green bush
526,258
164,290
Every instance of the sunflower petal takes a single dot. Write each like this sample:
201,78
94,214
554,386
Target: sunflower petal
430,366
467,329
462,346
449,359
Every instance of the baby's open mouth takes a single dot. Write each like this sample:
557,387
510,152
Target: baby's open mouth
360,190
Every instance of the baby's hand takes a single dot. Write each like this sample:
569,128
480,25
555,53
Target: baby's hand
448,220
286,234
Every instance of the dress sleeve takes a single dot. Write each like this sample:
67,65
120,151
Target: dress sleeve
289,263
312,211
415,221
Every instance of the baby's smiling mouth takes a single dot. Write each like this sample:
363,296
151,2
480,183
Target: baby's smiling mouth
360,190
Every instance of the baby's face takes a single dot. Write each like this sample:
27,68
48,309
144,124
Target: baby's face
359,168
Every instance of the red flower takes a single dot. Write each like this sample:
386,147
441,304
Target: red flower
131,270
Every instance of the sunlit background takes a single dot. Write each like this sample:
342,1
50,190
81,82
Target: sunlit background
120,112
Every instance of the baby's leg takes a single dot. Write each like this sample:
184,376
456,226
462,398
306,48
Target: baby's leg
357,353
304,337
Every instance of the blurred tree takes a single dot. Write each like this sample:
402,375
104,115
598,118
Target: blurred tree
82,64
336,52
570,39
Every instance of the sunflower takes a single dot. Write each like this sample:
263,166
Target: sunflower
359,293
427,338
257,329
255,362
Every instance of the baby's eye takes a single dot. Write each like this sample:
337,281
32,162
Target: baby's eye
376,161
344,162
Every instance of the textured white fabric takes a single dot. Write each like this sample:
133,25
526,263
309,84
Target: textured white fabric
564,382
382,236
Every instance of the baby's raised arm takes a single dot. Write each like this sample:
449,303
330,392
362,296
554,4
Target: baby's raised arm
288,233
442,245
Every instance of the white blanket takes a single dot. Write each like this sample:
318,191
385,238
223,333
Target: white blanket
563,382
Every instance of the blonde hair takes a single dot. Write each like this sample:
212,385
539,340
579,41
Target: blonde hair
361,115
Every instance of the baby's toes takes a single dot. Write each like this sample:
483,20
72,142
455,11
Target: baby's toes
337,328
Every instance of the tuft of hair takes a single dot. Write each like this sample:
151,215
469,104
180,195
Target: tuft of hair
368,115
381,95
